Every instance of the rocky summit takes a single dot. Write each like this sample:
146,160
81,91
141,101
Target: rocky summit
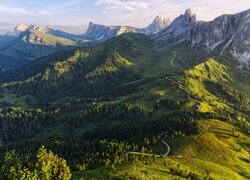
225,32
156,26
101,32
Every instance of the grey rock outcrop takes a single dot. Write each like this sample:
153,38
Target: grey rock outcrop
231,31
156,26
101,32
21,28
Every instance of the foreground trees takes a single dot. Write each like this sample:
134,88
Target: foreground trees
46,165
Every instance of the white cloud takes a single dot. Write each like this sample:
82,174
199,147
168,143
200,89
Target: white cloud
140,13
53,9
13,10
45,13
119,5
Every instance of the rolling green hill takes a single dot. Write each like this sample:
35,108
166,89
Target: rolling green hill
210,154
107,108
32,44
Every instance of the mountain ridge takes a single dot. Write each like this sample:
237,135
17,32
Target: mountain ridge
115,109
39,28
103,32
19,44
232,30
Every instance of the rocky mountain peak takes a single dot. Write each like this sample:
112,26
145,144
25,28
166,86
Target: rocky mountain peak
188,12
28,27
190,15
102,32
22,27
156,26
161,21
158,18
91,24
18,29
230,33
181,25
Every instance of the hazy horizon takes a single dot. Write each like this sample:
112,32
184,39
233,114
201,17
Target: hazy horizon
74,15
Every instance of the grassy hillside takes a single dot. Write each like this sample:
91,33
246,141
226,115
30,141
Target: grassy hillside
218,89
210,154
107,108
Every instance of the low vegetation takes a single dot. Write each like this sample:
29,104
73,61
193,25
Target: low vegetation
105,110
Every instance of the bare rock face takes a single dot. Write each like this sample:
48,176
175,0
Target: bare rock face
22,28
181,26
17,30
232,31
25,27
156,26
101,32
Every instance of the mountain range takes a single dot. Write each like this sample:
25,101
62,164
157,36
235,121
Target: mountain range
18,46
224,32
101,33
24,37
22,43
169,101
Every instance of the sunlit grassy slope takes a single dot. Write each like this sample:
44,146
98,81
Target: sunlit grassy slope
195,80
130,60
218,151
128,70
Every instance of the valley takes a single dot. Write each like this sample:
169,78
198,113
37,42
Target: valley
120,103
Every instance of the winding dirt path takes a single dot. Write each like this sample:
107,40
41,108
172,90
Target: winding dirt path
181,86
188,95
168,151
187,91
172,60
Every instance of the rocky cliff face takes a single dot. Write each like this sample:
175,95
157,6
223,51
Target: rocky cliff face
21,28
181,26
24,27
156,26
230,31
101,32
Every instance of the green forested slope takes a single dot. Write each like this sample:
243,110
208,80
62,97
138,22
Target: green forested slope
100,107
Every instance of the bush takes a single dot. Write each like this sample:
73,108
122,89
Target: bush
47,166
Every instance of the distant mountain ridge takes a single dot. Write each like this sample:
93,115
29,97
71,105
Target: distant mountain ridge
174,105
39,28
20,45
227,32
101,32
28,42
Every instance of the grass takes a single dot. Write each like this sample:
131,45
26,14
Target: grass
53,40
195,80
216,150
15,99
206,154
186,57
210,146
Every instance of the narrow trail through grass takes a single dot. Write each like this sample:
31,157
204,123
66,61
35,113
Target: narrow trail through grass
188,94
168,151
181,86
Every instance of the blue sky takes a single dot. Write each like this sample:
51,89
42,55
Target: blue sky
137,13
